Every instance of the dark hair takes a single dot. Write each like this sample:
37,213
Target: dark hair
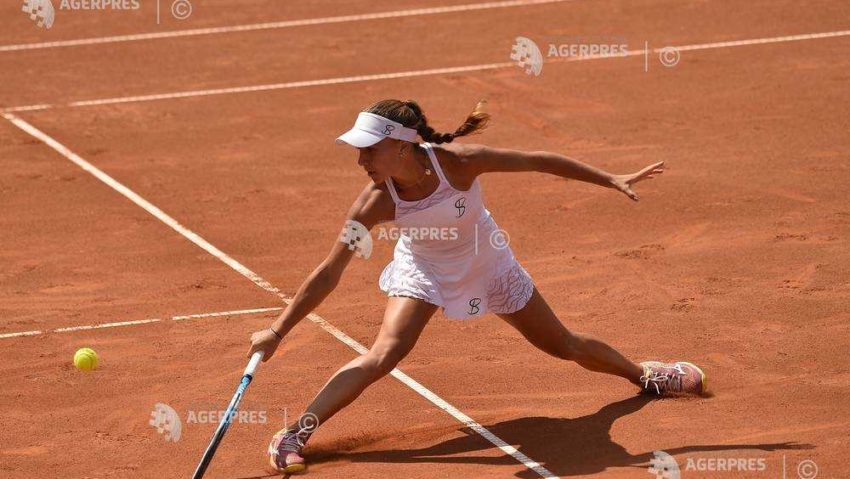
410,114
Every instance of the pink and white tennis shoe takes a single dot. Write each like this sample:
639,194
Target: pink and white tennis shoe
672,379
285,452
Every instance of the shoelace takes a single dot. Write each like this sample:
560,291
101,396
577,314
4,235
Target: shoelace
663,380
291,442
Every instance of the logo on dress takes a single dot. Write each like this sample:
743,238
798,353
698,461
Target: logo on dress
473,305
460,204
388,129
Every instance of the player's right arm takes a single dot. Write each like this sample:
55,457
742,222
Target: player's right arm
371,207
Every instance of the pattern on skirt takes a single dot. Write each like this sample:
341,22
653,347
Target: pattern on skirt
511,291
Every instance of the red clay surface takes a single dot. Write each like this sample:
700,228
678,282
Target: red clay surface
736,258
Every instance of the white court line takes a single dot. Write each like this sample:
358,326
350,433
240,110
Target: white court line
225,313
22,333
413,73
259,281
139,321
106,325
275,25
256,88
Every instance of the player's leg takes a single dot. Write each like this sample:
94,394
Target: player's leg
404,320
537,323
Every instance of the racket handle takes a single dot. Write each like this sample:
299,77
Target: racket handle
253,363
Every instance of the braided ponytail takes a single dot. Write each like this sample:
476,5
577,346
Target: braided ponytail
475,121
410,114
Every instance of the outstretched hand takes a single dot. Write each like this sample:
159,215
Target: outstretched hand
624,182
264,340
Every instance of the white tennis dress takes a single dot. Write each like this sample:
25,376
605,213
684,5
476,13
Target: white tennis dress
464,264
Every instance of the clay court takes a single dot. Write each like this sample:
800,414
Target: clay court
163,194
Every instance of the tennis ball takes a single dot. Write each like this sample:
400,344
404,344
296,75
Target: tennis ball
85,359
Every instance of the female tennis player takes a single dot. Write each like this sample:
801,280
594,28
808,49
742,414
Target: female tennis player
450,254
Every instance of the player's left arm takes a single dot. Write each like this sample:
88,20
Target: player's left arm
478,159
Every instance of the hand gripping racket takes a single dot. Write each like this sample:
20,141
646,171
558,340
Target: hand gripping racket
247,376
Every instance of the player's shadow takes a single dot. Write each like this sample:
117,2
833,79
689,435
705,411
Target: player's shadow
564,446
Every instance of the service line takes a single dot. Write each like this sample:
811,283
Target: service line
137,322
416,73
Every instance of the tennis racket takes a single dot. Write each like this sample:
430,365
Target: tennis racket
247,376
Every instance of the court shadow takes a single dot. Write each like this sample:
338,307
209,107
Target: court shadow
564,446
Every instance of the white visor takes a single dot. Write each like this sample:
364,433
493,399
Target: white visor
371,128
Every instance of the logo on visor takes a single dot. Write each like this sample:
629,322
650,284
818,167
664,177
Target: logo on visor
388,129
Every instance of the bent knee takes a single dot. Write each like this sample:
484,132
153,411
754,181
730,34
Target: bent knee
382,361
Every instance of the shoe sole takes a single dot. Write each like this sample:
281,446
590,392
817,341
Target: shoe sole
703,381
290,469
295,469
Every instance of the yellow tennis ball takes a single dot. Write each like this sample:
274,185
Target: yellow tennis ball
85,359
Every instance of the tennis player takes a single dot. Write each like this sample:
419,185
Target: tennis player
451,255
